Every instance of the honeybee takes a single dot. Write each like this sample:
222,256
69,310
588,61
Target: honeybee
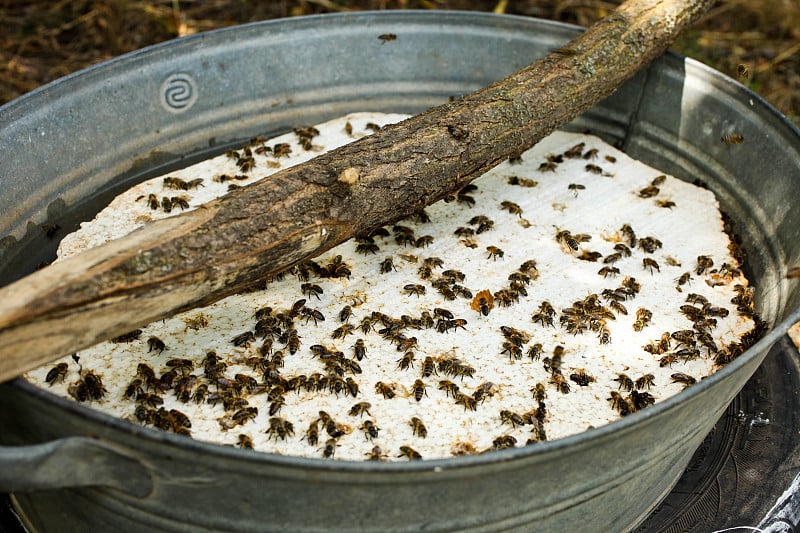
494,252
619,403
629,234
590,154
280,428
683,279
330,448
649,244
418,389
343,331
414,289
640,400
418,429
575,187
360,408
200,393
743,71
667,360
483,222
406,361
510,417
685,379
625,382
370,429
245,414
732,138
594,169
57,374
449,388
196,322
457,132
466,400
558,379
646,381
575,151
535,351
704,263
410,453
128,337
376,454
244,441
422,242
522,182
539,392
88,387
385,38
152,201
649,263
666,204
385,390
581,377
504,441
511,207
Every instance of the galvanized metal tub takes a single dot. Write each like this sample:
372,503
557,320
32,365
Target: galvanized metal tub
69,146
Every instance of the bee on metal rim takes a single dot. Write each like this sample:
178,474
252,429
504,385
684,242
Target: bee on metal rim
743,71
387,37
732,138
418,428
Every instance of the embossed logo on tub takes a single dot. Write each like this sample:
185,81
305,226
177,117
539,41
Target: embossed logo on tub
178,92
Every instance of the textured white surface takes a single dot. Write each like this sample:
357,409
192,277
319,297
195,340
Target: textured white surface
692,227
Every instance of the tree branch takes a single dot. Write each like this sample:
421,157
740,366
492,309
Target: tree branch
196,258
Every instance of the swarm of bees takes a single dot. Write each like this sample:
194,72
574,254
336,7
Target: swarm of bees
390,345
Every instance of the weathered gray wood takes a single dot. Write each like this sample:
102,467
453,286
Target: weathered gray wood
198,257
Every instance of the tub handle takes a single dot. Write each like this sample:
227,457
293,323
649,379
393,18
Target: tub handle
72,462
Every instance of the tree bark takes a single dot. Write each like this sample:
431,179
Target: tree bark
196,258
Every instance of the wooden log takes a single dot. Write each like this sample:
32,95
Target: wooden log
196,258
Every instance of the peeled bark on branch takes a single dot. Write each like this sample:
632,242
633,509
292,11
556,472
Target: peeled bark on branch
196,258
